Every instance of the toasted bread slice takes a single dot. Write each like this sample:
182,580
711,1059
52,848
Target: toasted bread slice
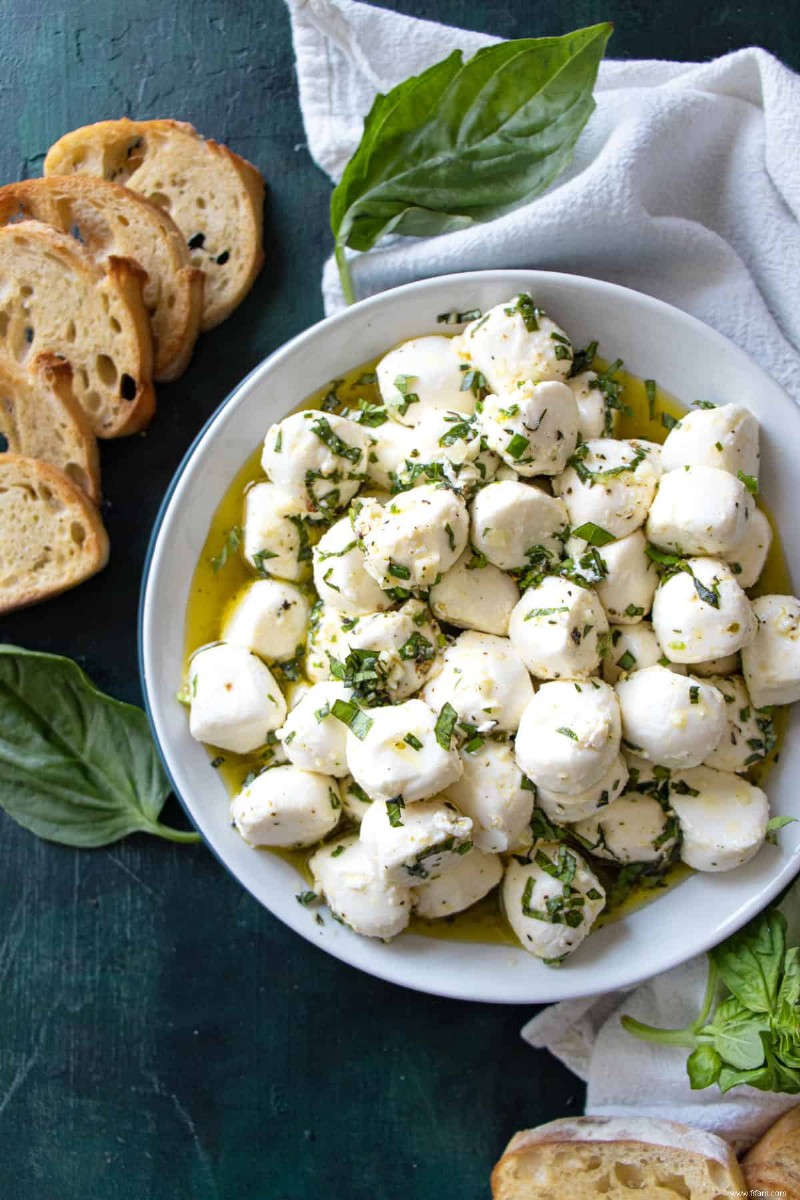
214,197
613,1157
111,220
40,418
54,297
772,1167
51,535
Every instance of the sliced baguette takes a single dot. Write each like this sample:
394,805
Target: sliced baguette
40,418
113,221
772,1167
51,535
582,1157
54,297
214,197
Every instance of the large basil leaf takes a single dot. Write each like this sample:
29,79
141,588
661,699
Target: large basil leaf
466,142
750,963
76,766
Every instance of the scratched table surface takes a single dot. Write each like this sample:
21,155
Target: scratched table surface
161,1035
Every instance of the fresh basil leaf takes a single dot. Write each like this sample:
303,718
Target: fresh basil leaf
736,1033
465,142
703,1067
750,962
595,535
76,766
774,824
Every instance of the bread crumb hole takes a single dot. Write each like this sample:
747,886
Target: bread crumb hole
92,400
78,533
115,325
200,202
26,290
602,1185
83,376
77,474
69,332
593,1163
171,300
160,199
106,370
3,324
127,387
629,1175
123,220
676,1184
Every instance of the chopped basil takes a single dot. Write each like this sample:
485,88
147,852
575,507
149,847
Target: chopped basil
707,595
230,545
445,725
749,481
694,694
322,428
399,571
593,534
633,610
626,661
451,537
393,809
583,359
776,823
650,392
459,318
413,741
530,313
353,717
340,849
545,612
259,558
517,446
306,898
668,421
417,649
570,733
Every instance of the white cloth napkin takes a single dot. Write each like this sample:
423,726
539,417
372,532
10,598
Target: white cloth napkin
685,184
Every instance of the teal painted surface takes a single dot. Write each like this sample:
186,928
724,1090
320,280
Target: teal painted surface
161,1036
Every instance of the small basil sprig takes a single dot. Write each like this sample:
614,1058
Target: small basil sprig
76,766
753,1034
465,142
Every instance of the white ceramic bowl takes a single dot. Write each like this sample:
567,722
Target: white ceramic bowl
655,341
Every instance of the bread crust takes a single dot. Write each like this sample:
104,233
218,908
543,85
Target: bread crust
773,1164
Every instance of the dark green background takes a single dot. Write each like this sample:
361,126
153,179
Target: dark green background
161,1035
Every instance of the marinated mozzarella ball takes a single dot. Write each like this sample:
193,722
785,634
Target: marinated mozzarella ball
632,647
723,818
472,596
699,510
355,891
747,560
565,808
312,736
750,733
268,617
494,793
467,879
420,375
400,756
483,679
593,418
340,575
355,800
569,735
635,828
448,446
235,701
551,907
414,843
558,628
771,663
516,341
533,426
629,577
702,613
729,664
511,521
392,447
278,532
673,720
327,639
610,483
414,538
317,455
725,437
286,806
406,642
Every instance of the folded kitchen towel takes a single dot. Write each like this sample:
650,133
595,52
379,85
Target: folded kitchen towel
685,183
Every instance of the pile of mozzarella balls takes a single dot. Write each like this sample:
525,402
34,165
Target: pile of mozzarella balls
540,615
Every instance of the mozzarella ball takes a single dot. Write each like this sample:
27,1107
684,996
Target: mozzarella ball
414,538
474,597
533,426
400,756
406,642
723,818
729,664
558,628
747,560
750,733
467,879
593,417
312,737
513,342
551,908
326,639
355,891
771,663
318,455
455,450
629,578
413,844
569,735
611,484
632,829
355,800
632,647
725,437
567,808
702,613
511,521
392,446
673,720
420,375
286,806
340,575
483,679
268,617
235,701
699,510
278,532
492,791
